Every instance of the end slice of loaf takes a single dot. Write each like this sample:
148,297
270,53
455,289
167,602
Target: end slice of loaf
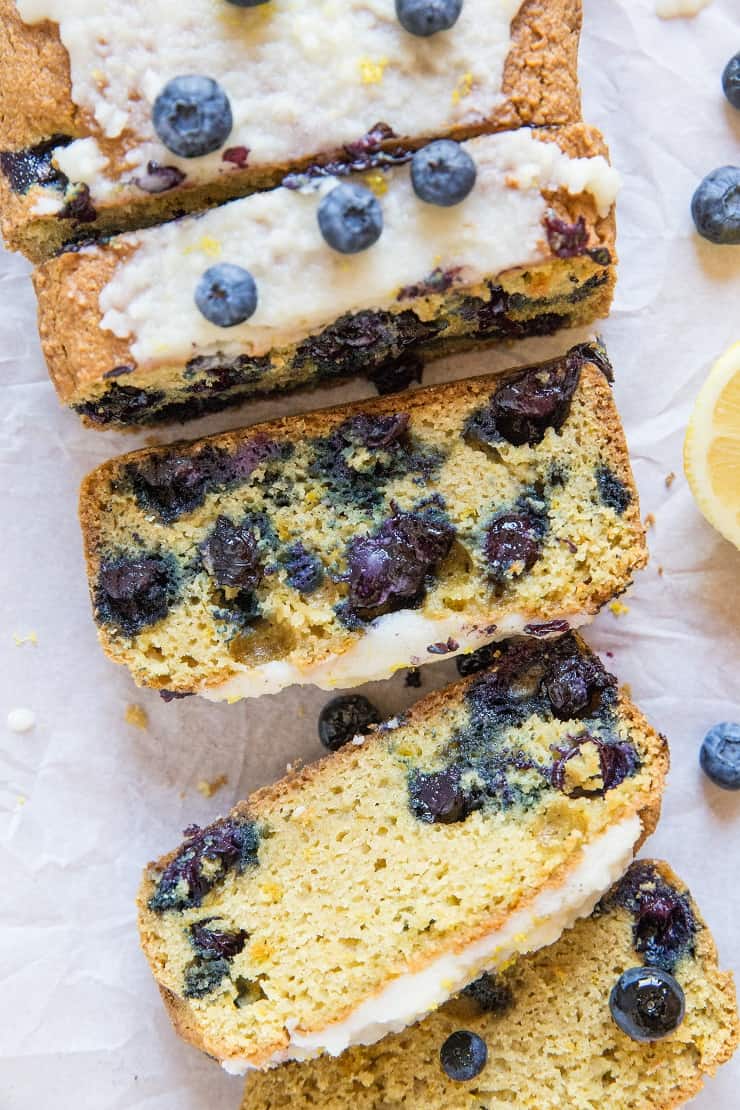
530,250
80,155
547,1026
349,900
339,546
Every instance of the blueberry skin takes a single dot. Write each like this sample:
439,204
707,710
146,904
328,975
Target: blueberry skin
246,3
226,295
442,173
345,717
715,206
731,80
192,116
720,755
463,1056
427,17
647,1003
350,219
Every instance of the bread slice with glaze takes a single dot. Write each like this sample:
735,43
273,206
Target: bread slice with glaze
547,1026
80,156
530,250
339,546
351,899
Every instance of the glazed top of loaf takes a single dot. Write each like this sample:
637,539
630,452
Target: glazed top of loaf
300,78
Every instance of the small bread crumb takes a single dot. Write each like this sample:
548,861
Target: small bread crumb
650,520
21,720
137,716
29,638
208,789
660,570
669,480
618,609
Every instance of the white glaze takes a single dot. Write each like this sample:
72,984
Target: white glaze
409,998
390,642
301,76
21,720
303,285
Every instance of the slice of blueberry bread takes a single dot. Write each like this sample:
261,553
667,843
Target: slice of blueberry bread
299,285
351,899
543,1033
339,546
123,113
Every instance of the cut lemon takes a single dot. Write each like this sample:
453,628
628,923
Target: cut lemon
711,453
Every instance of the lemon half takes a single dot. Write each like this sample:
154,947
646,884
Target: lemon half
711,452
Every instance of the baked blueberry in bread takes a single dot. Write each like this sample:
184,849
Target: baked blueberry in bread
124,113
502,236
547,1033
339,546
349,900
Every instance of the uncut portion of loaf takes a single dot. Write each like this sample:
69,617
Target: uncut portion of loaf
80,154
550,1037
359,894
530,250
342,545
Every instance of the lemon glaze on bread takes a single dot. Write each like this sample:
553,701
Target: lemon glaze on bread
342,545
530,250
80,156
275,932
546,1023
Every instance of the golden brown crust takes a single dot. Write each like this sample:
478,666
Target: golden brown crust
79,353
540,83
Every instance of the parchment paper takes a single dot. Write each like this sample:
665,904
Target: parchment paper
87,798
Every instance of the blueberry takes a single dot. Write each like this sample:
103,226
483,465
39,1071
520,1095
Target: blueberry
463,1056
438,797
394,563
715,206
246,3
731,80
230,555
192,116
426,17
647,1003
226,295
226,845
345,717
512,544
203,976
720,755
442,173
350,218
134,593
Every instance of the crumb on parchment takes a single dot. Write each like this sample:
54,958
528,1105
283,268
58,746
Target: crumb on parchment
28,638
619,609
208,789
137,716
650,520
670,479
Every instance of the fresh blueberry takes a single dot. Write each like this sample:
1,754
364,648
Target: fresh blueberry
226,295
647,1003
192,116
720,755
731,80
463,1056
345,717
442,173
426,17
715,206
350,218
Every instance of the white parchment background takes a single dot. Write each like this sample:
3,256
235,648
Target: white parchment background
86,799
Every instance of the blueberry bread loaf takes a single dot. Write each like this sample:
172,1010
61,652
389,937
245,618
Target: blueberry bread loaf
122,113
541,1033
259,295
351,899
339,546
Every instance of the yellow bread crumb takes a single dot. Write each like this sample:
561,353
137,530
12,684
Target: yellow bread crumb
463,88
669,480
618,609
650,520
29,638
208,789
137,716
